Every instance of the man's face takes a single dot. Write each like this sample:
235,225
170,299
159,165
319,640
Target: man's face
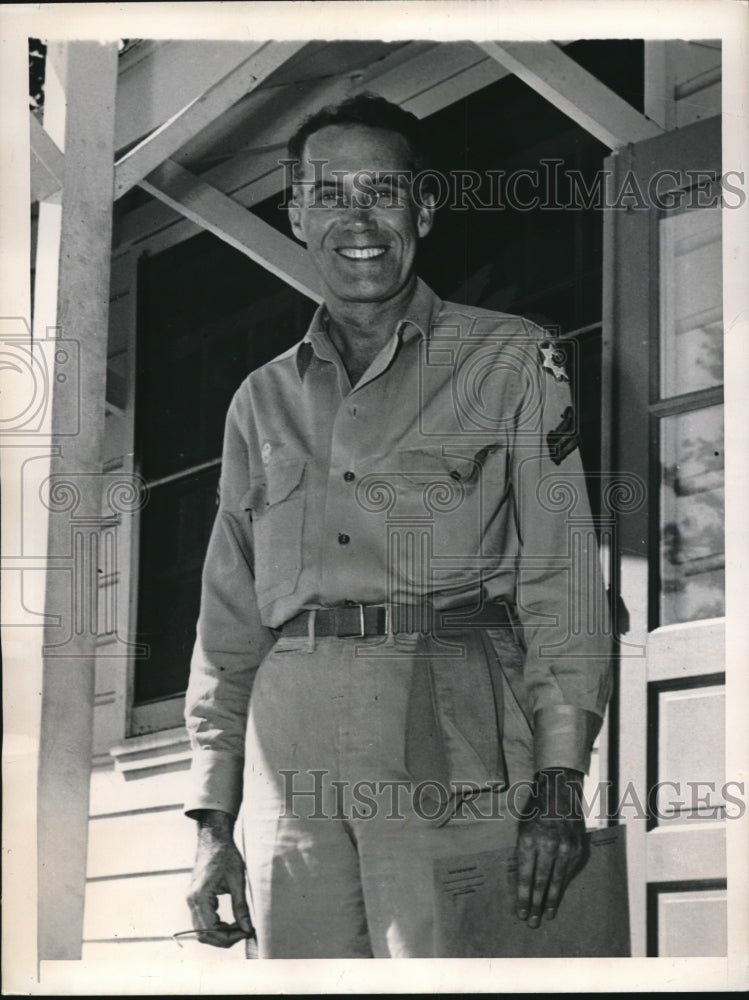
356,215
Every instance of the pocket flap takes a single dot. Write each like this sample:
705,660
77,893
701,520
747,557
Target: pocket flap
430,464
277,482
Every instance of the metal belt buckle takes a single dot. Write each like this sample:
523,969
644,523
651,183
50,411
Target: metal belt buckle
361,633
388,620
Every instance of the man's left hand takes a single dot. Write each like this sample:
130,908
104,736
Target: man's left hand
551,843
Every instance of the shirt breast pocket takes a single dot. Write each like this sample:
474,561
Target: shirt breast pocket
276,501
429,484
445,500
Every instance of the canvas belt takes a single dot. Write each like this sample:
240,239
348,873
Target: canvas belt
352,620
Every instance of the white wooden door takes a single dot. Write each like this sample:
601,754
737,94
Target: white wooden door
663,344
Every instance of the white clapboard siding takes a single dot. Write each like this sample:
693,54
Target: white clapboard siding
157,840
112,793
141,847
140,852
138,906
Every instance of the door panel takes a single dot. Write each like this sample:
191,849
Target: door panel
688,920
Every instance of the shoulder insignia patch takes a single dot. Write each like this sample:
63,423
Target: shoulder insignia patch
553,361
563,440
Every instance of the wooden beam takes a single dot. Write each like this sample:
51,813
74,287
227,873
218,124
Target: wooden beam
78,391
158,78
47,162
248,179
575,91
424,79
446,92
266,117
433,79
199,113
225,218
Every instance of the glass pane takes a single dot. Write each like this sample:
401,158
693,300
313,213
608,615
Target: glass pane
691,342
175,527
207,316
691,516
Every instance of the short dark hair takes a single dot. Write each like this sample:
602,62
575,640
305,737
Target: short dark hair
366,109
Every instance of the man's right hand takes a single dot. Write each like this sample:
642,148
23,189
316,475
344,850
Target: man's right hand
219,869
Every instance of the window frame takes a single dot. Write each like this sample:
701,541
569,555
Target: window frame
660,407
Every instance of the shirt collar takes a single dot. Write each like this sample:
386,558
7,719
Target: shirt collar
422,309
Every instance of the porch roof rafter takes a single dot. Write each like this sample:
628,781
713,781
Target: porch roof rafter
183,126
216,212
575,91
47,162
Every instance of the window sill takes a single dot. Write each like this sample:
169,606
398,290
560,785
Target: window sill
152,753
156,717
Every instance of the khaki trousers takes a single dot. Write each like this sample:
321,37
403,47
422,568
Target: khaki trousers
338,843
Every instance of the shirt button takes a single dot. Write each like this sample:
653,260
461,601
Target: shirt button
343,539
349,477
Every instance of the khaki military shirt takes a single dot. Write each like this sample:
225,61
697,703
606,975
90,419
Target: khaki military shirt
448,474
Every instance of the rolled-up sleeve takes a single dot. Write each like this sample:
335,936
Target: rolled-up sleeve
231,639
561,600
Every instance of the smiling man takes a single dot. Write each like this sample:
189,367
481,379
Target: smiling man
361,228
396,658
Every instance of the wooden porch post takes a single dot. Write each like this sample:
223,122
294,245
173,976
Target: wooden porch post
88,73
